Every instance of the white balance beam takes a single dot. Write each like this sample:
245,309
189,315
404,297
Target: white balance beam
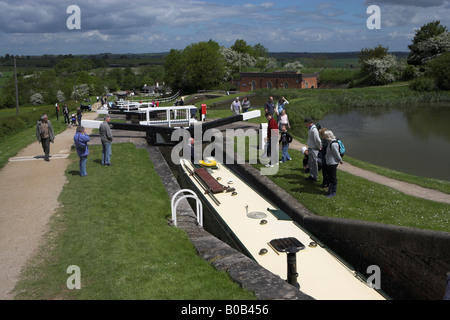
92,124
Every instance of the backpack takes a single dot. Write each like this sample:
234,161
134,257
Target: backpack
341,147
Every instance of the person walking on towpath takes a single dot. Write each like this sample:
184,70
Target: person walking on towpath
79,115
45,135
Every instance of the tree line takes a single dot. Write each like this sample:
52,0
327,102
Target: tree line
75,78
207,65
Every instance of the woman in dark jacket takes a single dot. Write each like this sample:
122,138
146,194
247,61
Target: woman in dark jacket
333,159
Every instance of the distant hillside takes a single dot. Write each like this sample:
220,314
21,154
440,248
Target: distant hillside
310,59
329,55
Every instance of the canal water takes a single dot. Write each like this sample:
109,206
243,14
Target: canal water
414,140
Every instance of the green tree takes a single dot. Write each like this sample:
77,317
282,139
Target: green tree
74,64
116,75
430,41
440,71
199,66
205,66
241,46
257,51
174,69
260,50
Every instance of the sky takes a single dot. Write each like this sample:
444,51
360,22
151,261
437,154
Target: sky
36,27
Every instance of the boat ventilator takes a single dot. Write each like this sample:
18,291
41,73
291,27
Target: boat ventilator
191,194
291,246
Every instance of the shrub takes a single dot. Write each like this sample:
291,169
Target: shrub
422,84
36,99
410,73
440,71
26,119
11,124
382,71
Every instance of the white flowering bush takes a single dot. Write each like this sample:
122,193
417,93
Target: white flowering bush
384,70
267,63
234,61
82,90
296,65
36,99
431,48
60,96
237,59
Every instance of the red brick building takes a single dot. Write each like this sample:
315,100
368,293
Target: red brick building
251,81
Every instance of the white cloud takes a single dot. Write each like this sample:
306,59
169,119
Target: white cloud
398,16
37,26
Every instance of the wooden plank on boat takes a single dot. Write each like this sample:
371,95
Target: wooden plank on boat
213,185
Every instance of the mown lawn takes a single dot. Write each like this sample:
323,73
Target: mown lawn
360,199
113,226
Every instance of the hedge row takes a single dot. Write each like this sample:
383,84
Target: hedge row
12,124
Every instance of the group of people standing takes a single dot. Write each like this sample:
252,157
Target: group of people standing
238,107
322,150
81,140
278,120
45,135
322,146
74,119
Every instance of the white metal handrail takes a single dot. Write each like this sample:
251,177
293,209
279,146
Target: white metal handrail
191,194
171,115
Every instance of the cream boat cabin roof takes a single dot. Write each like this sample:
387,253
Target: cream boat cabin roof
321,274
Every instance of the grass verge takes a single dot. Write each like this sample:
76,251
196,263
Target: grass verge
360,199
434,184
112,224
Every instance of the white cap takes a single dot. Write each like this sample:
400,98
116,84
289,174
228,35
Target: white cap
303,150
